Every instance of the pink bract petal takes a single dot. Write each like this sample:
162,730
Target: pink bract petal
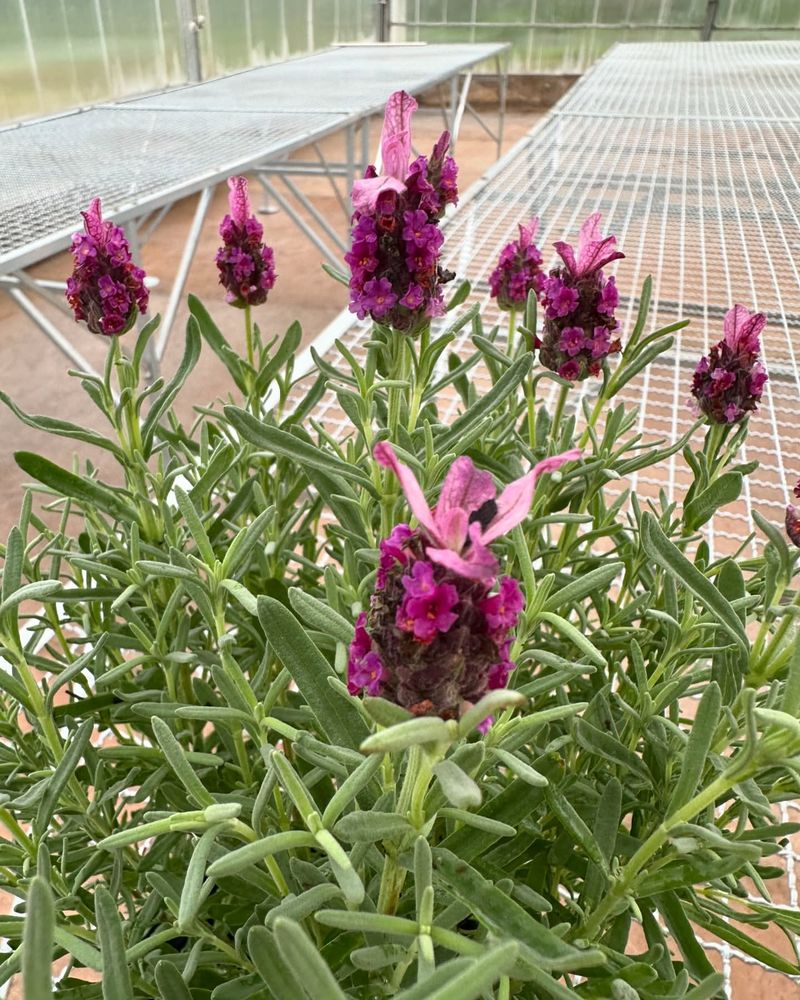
385,456
527,234
515,501
594,251
238,200
478,564
567,254
742,329
93,219
396,134
367,190
465,488
451,527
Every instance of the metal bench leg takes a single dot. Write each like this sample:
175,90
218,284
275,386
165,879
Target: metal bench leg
176,294
49,329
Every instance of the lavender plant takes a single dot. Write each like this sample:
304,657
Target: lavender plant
262,737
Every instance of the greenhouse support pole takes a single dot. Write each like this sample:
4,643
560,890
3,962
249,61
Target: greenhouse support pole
190,25
383,20
711,15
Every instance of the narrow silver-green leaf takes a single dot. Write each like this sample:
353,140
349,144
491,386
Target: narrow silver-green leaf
694,757
305,961
116,978
176,759
37,941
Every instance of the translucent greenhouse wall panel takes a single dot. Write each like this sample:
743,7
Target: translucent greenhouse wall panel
58,54
582,30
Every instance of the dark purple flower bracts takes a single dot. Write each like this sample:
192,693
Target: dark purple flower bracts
580,329
439,627
519,270
106,289
395,277
245,263
793,519
729,381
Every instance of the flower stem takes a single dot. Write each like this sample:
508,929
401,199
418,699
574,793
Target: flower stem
248,333
512,327
558,413
608,905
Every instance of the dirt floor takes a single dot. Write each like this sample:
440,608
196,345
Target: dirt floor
34,372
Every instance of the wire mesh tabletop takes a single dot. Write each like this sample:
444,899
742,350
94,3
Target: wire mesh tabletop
131,159
352,79
709,209
142,154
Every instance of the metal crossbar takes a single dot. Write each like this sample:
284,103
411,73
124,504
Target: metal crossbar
691,154
142,155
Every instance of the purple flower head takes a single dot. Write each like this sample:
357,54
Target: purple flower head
396,239
106,289
518,270
245,263
796,489
469,515
440,631
728,382
432,641
577,297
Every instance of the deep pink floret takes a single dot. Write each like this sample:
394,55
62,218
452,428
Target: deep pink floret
428,606
364,668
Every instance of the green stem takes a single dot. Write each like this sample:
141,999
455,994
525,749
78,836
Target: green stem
393,877
248,333
592,926
529,396
419,381
558,413
512,329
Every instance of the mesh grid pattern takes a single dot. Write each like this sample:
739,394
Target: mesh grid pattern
132,159
344,80
143,154
703,195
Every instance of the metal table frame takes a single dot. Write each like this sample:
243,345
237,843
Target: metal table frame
142,215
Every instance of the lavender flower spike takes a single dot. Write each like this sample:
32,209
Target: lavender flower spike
396,242
729,381
395,153
246,265
580,329
106,289
438,635
469,515
519,270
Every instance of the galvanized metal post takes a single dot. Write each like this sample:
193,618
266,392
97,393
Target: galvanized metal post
190,25
383,20
711,15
